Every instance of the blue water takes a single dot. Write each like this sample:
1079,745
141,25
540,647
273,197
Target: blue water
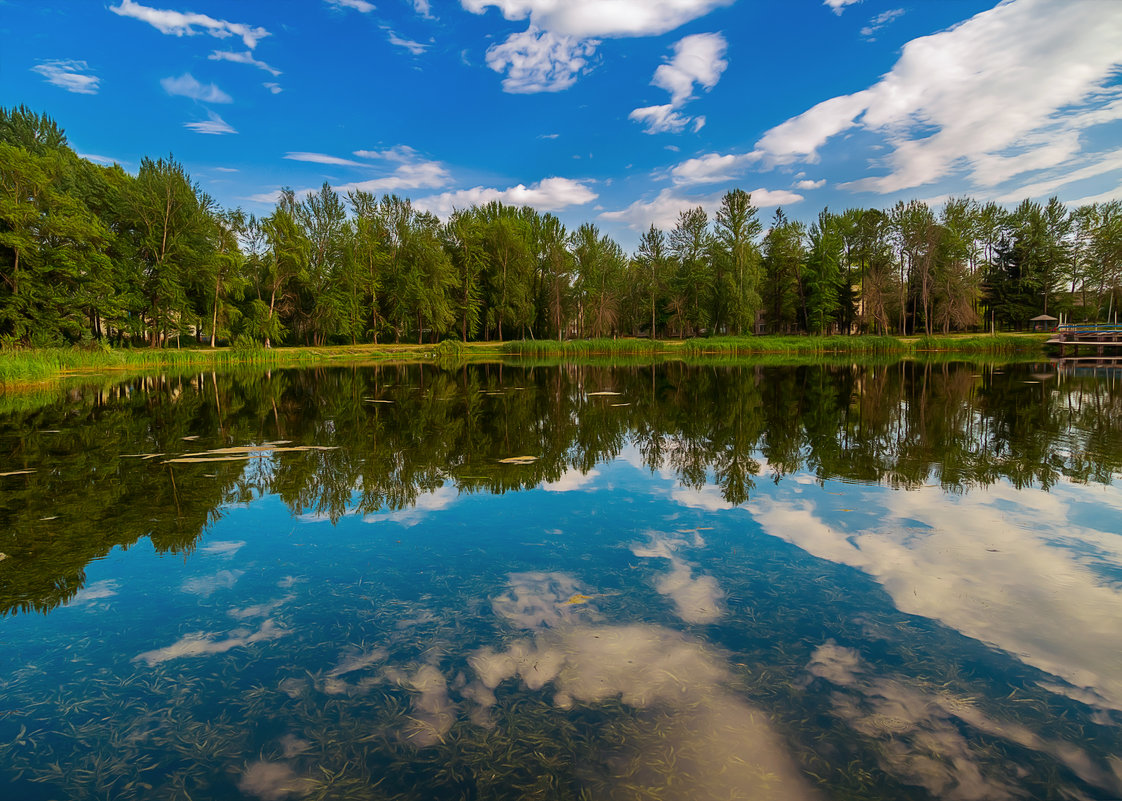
620,630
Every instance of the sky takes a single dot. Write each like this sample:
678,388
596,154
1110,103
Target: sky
616,112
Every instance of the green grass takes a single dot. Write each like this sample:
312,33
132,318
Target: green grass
35,366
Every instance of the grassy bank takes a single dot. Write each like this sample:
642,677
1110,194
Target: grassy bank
30,366
789,345
35,366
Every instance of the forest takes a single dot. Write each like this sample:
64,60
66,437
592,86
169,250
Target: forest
93,253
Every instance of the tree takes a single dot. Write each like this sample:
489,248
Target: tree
691,244
655,262
823,273
600,265
737,230
782,263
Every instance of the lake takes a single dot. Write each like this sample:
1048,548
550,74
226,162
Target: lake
892,580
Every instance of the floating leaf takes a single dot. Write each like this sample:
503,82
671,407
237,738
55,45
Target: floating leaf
594,394
191,438
3,556
17,473
621,404
518,460
577,599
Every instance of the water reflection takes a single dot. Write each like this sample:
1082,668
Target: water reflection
104,476
892,581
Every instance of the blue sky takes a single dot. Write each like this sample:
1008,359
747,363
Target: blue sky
618,112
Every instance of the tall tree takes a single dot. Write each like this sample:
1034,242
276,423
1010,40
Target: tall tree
738,228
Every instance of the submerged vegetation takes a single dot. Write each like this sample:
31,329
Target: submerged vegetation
94,253
319,636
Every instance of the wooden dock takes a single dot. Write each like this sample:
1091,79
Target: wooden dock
1073,338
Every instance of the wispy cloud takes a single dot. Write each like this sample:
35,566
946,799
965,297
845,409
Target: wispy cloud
321,158
245,57
215,125
712,168
178,23
357,5
187,86
73,76
274,88
880,20
411,171
698,59
416,48
1006,92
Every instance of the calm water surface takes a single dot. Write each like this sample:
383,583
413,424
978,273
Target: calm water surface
897,581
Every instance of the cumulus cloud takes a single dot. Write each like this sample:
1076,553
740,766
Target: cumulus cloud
711,168
663,209
561,36
838,6
809,184
214,125
696,599
245,57
176,23
608,18
73,76
426,503
1008,91
548,194
698,59
186,85
540,61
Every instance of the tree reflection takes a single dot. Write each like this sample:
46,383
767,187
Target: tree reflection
100,477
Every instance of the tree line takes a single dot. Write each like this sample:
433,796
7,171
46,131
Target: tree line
90,252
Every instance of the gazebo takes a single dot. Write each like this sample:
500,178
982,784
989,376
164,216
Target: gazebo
1043,322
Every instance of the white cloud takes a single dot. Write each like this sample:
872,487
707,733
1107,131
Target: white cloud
711,168
1000,94
215,125
571,480
274,88
224,547
178,23
425,503
73,76
321,158
838,6
187,86
610,18
416,48
357,5
548,194
204,643
411,172
808,184
99,159
698,59
540,61
1004,567
660,119
422,7
664,209
555,48
97,591
243,58
880,20
206,586
273,781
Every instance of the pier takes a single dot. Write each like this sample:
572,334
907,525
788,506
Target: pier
1103,338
